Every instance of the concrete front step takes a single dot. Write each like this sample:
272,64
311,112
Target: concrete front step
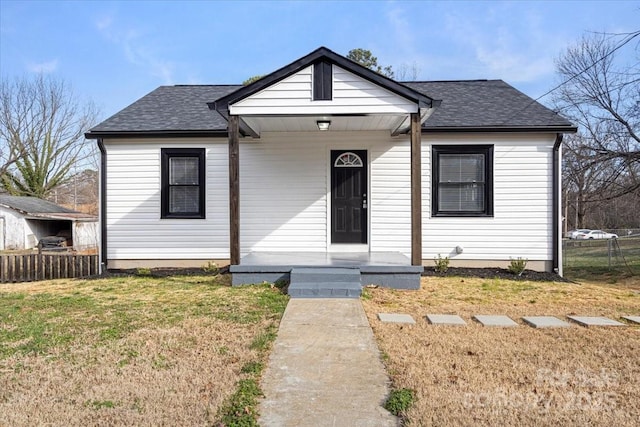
325,283
388,269
325,274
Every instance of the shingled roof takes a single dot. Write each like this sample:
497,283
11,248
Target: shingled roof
478,104
471,105
36,207
170,109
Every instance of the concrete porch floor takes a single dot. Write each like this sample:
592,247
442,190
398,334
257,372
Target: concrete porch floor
390,269
327,259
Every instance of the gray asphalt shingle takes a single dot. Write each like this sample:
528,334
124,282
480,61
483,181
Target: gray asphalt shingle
32,205
484,103
171,108
465,104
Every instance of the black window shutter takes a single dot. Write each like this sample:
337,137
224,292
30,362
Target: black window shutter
322,81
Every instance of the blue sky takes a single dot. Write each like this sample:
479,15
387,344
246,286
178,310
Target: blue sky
115,52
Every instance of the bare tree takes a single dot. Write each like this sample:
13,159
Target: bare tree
79,193
602,95
7,157
10,152
42,127
582,179
408,72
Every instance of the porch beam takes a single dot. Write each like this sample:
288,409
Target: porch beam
234,190
416,190
248,130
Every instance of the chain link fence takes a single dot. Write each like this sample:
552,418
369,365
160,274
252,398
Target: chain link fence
622,254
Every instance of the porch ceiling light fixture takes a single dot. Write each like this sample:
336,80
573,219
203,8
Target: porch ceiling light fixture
323,124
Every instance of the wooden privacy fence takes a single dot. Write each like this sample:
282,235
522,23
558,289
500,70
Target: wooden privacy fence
32,267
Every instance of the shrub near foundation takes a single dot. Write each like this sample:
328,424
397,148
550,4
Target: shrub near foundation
517,266
442,264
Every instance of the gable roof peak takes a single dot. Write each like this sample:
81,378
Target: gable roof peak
222,104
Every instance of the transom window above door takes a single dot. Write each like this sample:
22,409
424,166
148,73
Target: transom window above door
348,160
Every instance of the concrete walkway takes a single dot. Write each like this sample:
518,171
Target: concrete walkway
325,368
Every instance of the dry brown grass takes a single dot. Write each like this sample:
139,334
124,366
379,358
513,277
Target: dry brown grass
522,376
143,352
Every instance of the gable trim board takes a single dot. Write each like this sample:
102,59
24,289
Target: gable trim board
323,54
266,172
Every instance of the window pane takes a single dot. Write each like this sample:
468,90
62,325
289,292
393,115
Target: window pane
183,171
184,199
461,168
461,197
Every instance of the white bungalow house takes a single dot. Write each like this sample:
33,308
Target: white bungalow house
324,158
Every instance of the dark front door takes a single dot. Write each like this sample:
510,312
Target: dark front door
348,196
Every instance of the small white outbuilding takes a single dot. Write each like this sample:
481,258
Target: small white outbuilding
26,220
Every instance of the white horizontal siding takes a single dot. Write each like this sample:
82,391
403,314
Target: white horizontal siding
284,190
522,222
282,196
349,89
351,94
134,227
390,202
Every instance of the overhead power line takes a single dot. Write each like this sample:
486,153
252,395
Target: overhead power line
628,37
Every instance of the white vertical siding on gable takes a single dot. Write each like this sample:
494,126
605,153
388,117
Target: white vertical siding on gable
522,221
351,94
134,227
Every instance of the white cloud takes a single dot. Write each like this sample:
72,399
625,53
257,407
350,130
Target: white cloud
517,50
136,49
403,44
104,22
402,30
43,67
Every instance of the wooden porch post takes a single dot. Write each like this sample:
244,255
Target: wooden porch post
234,190
416,191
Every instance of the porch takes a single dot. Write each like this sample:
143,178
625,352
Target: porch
328,274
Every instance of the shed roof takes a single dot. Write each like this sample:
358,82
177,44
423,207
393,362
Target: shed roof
40,208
